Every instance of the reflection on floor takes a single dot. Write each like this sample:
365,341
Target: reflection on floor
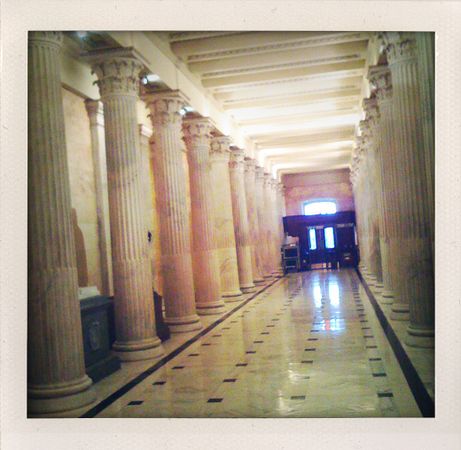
309,346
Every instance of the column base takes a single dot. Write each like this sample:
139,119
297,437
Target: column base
420,337
400,311
387,297
60,400
138,350
211,308
184,324
232,295
268,277
259,282
247,289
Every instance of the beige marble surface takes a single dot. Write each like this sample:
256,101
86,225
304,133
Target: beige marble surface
275,382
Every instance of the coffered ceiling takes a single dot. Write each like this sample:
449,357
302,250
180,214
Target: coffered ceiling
295,95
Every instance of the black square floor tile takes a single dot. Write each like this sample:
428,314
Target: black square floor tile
258,342
366,328
217,335
205,344
313,339
136,402
158,383
308,361
374,359
380,374
241,365
265,332
368,336
193,354
385,394
214,400
298,397
363,321
178,367
309,349
250,352
371,346
229,380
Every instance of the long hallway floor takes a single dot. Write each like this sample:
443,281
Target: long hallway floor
308,346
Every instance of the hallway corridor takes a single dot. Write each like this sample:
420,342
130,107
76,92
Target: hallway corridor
308,346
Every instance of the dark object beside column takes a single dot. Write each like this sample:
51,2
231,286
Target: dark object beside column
163,332
98,329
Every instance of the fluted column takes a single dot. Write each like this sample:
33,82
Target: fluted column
223,218
426,56
281,212
57,382
96,118
240,215
370,106
250,186
170,188
205,258
269,224
379,77
276,229
262,221
374,257
118,82
415,256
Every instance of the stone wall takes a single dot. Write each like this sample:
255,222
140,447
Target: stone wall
303,187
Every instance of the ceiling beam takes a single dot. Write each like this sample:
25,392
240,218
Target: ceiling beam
343,69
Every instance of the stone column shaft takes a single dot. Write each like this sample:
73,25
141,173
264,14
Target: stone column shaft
205,257
276,229
118,82
170,187
269,225
250,192
240,216
96,117
57,382
223,219
263,250
415,259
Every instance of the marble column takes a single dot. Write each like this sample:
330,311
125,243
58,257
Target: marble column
205,259
426,58
250,192
240,215
415,255
223,219
56,380
373,250
170,187
281,212
118,81
261,210
269,225
276,219
370,106
98,146
379,77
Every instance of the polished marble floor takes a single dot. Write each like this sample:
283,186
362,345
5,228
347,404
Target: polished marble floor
308,346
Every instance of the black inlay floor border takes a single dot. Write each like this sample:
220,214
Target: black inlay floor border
106,402
419,391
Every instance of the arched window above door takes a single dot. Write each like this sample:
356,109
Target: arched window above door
319,207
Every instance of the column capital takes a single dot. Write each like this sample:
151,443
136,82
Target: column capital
197,130
400,46
48,38
237,156
259,172
381,79
165,106
364,126
370,106
95,111
118,71
220,147
250,165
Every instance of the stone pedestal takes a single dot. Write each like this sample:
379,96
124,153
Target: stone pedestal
250,192
223,219
415,255
263,224
240,215
170,186
118,81
56,378
205,258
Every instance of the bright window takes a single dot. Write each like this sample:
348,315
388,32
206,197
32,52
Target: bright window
312,239
329,237
323,207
